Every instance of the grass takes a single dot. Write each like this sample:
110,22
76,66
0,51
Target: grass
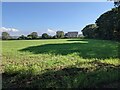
60,63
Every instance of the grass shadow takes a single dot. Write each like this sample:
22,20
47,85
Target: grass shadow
68,77
85,49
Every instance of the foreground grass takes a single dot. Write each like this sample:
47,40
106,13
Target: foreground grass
67,63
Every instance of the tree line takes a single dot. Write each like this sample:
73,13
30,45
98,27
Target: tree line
33,35
107,26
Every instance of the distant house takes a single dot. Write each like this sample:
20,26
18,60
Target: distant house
71,34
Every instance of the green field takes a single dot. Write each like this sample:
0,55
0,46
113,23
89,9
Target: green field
60,63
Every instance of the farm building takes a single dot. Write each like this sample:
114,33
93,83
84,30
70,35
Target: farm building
71,34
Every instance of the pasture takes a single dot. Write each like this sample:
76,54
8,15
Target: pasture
60,63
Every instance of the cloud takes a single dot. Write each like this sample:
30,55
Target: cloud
51,32
3,29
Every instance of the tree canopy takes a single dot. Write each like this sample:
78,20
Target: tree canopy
22,37
89,31
60,34
107,26
45,36
33,35
117,3
5,36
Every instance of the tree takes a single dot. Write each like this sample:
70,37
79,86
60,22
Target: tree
29,37
5,36
117,3
60,34
33,35
54,37
22,37
109,25
90,31
45,36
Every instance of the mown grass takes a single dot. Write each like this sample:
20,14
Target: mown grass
60,63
